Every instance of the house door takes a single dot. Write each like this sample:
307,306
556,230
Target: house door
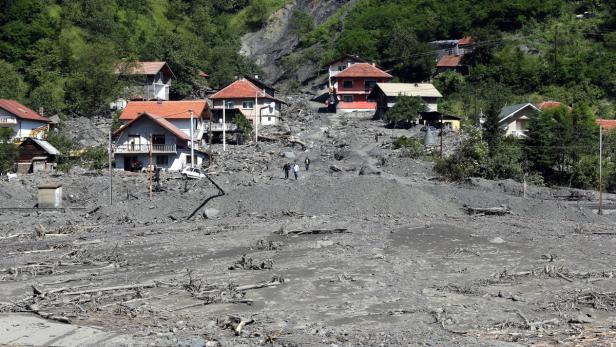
127,163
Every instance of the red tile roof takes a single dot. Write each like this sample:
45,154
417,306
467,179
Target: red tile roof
165,109
241,89
158,120
607,124
362,70
143,68
466,40
21,111
546,105
449,61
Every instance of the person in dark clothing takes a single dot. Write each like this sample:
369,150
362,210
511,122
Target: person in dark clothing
376,137
286,167
307,163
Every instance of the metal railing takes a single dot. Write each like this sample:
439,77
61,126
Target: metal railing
220,126
8,120
145,148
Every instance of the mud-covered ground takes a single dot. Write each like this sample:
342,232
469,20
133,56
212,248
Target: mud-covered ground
364,249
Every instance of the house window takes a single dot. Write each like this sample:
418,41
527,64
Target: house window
188,160
162,160
368,85
229,105
269,119
133,142
158,139
347,98
341,67
248,105
347,84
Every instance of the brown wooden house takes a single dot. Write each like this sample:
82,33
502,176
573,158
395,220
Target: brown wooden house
36,155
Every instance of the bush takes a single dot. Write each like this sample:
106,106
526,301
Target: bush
8,150
467,161
96,158
409,147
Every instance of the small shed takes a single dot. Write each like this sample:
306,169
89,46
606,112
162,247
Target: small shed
36,155
434,119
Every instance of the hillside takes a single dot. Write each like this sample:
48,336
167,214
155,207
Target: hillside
59,55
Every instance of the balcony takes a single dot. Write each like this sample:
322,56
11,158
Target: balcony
220,126
8,121
145,148
519,133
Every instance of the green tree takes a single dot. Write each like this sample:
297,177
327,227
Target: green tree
406,109
302,23
8,150
12,85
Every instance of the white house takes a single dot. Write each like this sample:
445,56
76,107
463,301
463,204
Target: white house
24,121
256,104
386,95
150,80
336,66
514,118
164,127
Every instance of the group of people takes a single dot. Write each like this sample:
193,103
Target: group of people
287,167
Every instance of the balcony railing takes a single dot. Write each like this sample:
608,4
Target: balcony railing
8,120
145,148
220,126
519,133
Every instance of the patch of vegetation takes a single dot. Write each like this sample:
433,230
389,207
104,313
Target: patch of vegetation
8,150
410,147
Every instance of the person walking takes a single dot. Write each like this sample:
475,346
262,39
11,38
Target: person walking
376,137
286,167
307,163
296,171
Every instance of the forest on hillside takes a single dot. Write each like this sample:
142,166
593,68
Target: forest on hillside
59,54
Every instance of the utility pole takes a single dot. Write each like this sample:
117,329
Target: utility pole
256,118
110,173
224,127
150,167
441,135
600,170
209,133
192,139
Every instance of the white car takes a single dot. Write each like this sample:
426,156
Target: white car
191,172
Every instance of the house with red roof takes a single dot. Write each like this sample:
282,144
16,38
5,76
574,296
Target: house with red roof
340,64
23,120
606,124
150,80
252,98
164,129
352,86
450,54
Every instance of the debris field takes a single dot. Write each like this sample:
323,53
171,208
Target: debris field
366,248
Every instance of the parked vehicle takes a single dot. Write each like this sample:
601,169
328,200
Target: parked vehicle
194,173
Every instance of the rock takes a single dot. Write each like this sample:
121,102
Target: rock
210,213
324,243
334,168
497,240
288,155
368,170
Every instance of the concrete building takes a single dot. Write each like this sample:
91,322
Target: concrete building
149,80
23,121
514,118
254,102
164,128
353,85
386,95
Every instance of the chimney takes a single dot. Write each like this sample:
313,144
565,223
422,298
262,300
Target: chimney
256,77
41,111
373,64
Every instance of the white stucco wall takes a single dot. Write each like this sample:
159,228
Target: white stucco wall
21,127
270,109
